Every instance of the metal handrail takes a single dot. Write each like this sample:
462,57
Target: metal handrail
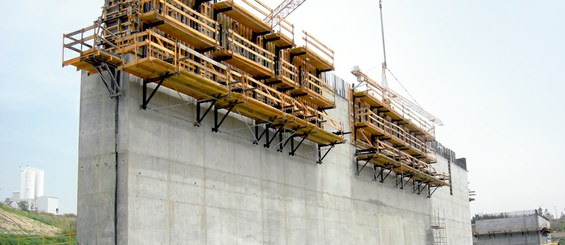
89,38
317,85
249,50
393,105
393,130
318,47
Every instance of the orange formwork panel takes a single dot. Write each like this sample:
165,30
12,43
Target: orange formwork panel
181,22
246,55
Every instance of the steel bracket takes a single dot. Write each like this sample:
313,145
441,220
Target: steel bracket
160,80
321,156
101,65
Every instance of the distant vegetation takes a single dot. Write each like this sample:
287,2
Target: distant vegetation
66,222
558,227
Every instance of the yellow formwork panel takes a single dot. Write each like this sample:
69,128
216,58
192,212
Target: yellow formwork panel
181,22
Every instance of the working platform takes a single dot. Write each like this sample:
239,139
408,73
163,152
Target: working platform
246,55
385,156
278,39
89,49
316,91
374,99
287,78
315,53
156,57
283,37
241,13
372,124
383,161
181,22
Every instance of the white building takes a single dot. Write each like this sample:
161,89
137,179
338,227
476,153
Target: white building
48,204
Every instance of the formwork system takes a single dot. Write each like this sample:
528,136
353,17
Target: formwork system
222,54
392,138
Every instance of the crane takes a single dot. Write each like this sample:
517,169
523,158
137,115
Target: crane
282,11
387,92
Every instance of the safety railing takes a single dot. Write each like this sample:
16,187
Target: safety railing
317,85
149,44
408,115
330,124
256,7
91,38
318,47
183,14
288,70
284,27
240,45
392,130
192,61
252,88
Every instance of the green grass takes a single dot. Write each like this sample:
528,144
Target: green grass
67,223
558,224
33,240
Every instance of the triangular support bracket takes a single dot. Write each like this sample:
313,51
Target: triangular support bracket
432,190
160,80
101,65
294,147
322,155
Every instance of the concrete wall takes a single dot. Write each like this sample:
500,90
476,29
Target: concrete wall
517,238
181,184
509,224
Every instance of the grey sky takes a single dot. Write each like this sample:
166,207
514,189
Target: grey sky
493,71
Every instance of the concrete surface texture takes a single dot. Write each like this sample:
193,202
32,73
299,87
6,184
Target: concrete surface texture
181,184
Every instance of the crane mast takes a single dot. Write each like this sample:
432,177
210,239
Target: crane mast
388,93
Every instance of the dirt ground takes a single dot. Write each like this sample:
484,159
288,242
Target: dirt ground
19,225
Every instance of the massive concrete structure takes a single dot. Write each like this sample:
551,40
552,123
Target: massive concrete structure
152,177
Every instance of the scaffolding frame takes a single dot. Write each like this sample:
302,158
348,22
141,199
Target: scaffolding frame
183,47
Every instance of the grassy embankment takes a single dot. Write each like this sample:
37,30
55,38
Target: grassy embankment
66,223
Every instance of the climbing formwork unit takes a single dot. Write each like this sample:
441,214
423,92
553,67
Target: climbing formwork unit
222,54
392,138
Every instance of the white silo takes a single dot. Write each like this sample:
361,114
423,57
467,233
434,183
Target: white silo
31,183
39,183
27,184
22,184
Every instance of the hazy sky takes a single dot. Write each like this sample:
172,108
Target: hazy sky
493,71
